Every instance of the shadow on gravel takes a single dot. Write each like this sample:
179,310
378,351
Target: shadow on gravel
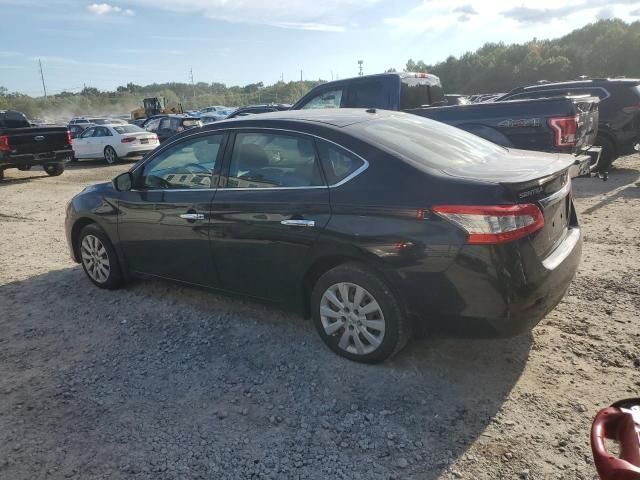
619,177
158,381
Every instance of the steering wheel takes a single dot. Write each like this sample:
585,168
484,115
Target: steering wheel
198,166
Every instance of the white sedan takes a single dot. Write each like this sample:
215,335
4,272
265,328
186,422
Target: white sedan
113,142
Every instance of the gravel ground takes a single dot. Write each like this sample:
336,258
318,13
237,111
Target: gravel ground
158,381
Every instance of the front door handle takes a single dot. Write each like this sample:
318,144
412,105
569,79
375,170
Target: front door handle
192,216
299,223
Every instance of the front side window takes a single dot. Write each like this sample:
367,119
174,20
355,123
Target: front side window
165,123
264,160
189,164
338,163
328,99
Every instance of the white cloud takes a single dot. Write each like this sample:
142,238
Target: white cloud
105,9
323,16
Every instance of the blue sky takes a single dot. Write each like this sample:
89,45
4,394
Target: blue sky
108,43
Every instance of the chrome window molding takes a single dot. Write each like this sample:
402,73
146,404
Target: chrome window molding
348,178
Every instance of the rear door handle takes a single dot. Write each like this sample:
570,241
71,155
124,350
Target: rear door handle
299,223
192,216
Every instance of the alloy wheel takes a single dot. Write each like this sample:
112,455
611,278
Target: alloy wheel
95,258
354,316
110,155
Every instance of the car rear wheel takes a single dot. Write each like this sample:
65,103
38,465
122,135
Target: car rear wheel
54,169
110,155
98,258
357,315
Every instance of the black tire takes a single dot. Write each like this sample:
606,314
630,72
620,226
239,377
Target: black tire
54,169
110,155
24,168
609,154
1,174
113,278
397,328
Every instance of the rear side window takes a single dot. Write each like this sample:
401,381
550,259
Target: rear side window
338,164
264,160
13,120
368,94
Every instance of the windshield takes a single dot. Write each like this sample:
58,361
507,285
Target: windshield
427,143
128,129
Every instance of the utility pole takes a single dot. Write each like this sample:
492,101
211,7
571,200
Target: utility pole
300,75
360,62
192,85
44,87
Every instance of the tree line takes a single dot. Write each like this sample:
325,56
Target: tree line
602,49
608,48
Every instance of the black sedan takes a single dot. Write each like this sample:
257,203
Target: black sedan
374,223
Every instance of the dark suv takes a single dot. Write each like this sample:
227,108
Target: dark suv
619,125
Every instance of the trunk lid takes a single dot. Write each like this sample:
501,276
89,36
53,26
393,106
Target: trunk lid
533,177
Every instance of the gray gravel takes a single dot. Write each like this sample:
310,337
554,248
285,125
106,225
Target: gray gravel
158,381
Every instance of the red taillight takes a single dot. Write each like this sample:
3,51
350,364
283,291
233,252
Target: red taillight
128,139
69,139
564,131
493,224
4,143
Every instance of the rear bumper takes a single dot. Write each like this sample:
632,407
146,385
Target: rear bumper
495,291
46,158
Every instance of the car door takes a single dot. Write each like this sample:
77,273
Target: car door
101,139
81,144
267,214
165,129
164,220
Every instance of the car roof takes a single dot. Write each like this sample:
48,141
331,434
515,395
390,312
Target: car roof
341,117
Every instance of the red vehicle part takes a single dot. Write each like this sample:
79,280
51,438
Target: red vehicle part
619,422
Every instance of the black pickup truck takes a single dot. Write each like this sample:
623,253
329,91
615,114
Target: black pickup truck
619,129
23,146
563,125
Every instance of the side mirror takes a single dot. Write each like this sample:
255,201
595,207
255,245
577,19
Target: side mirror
123,182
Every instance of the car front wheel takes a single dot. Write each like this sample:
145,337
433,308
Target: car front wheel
357,315
98,257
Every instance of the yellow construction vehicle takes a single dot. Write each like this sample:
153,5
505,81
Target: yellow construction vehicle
154,106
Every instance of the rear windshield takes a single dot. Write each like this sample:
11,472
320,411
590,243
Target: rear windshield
128,129
420,92
13,120
99,121
427,143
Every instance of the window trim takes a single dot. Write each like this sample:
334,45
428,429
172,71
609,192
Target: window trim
229,132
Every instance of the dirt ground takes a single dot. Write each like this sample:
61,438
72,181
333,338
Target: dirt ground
158,381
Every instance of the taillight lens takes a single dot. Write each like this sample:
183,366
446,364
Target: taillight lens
4,143
493,224
564,131
69,139
127,139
